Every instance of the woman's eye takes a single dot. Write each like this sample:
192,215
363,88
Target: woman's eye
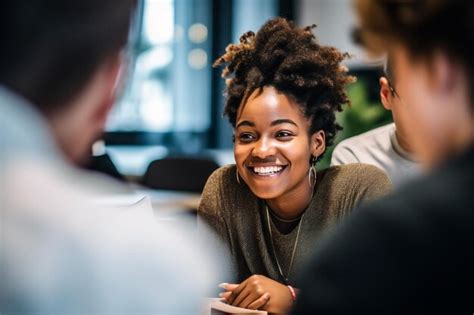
246,137
284,135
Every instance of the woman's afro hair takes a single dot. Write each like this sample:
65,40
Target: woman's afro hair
291,60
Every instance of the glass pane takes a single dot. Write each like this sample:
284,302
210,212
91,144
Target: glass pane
147,104
249,15
168,87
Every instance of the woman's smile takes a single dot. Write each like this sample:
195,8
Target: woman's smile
267,171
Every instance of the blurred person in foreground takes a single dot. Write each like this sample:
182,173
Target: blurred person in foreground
412,251
63,249
387,147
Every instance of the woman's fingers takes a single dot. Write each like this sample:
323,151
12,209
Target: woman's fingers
260,302
236,292
228,286
249,292
225,295
228,294
240,296
251,298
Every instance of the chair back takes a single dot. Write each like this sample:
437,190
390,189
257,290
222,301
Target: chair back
180,173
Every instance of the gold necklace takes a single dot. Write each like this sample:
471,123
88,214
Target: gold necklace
294,245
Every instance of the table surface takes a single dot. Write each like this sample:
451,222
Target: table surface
169,199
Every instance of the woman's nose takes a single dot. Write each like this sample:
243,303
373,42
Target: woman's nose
263,149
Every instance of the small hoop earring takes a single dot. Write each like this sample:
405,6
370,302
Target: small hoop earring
312,171
237,175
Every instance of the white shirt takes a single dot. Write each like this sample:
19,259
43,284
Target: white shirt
378,147
63,251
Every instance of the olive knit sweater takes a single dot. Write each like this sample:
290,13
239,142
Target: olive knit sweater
240,220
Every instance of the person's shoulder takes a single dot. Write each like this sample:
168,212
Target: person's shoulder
79,227
223,176
361,181
223,194
362,147
153,256
448,187
355,172
428,196
366,137
222,185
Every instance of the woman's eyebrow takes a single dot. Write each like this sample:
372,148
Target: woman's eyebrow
283,121
274,123
245,123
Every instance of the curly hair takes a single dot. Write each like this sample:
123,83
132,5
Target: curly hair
291,60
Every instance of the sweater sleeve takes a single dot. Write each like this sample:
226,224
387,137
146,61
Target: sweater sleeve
356,184
373,182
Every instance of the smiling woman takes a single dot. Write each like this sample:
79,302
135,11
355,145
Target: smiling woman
271,208
273,149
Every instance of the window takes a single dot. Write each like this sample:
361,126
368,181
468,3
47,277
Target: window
168,89
168,95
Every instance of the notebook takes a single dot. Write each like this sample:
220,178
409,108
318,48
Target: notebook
214,306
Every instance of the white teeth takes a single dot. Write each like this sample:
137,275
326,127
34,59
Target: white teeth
267,170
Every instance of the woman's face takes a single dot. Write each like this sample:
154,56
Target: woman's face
272,147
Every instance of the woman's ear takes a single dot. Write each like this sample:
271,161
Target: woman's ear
318,143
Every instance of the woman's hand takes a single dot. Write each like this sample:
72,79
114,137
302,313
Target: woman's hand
259,292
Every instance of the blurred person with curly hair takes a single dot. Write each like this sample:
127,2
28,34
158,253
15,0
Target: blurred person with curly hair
271,208
412,252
